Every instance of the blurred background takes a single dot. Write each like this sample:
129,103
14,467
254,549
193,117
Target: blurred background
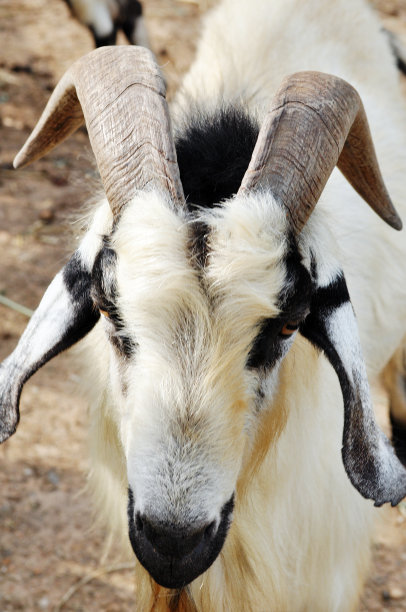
52,557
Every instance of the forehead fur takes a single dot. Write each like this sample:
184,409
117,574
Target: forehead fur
247,242
169,304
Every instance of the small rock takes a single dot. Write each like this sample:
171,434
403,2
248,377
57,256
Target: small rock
28,472
46,215
385,595
5,552
396,593
53,478
5,510
43,603
393,593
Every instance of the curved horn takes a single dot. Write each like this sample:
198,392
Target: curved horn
316,121
120,94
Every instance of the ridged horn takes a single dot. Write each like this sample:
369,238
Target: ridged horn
316,121
120,94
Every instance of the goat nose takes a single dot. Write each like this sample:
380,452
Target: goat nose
171,541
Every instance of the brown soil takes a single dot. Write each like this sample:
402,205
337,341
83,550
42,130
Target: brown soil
47,539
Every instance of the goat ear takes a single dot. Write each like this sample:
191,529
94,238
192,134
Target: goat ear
64,315
369,459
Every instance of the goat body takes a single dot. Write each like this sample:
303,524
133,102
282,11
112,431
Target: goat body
216,420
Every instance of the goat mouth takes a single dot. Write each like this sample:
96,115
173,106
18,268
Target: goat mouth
174,563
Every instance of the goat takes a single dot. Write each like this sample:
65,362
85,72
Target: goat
214,294
105,17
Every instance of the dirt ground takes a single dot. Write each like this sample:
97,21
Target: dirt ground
51,555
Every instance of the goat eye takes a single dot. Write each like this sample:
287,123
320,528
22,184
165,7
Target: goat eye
104,313
289,328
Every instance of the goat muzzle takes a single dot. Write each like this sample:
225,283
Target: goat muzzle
175,556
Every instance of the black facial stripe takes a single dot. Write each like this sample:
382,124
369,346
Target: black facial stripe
294,298
77,280
198,248
314,329
323,302
268,347
104,294
331,296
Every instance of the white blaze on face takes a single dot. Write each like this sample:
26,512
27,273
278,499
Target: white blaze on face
184,412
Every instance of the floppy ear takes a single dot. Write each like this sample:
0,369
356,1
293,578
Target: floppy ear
64,315
369,459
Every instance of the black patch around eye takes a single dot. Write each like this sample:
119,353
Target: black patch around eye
293,302
77,280
104,294
267,347
104,291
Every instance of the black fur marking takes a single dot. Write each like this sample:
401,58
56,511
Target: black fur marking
268,346
15,371
198,237
128,13
330,297
214,151
323,302
104,41
399,438
358,457
360,451
77,280
394,46
401,65
128,18
313,268
104,294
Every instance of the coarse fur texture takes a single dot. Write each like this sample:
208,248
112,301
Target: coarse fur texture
228,347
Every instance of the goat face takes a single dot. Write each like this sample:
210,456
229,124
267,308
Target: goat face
199,313
186,374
